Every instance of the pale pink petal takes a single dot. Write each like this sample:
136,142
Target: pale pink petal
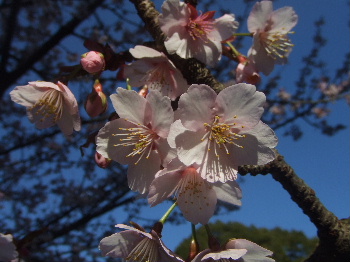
141,51
196,106
226,254
226,26
176,128
283,20
163,186
26,95
196,199
178,45
7,248
258,54
107,141
254,251
240,104
45,85
259,15
141,175
130,105
229,192
162,113
71,102
174,15
119,245
166,153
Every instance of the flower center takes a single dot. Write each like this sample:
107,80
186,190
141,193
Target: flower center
141,138
199,27
276,44
50,105
145,251
221,134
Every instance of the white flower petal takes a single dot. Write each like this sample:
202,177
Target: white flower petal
141,51
229,192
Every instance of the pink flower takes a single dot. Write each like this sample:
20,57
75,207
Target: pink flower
246,72
195,35
271,44
49,104
136,245
221,132
156,71
93,62
241,250
7,248
196,197
138,137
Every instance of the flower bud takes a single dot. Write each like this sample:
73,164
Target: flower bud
246,72
96,103
102,161
93,62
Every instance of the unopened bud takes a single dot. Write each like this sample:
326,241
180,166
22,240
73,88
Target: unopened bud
96,103
93,62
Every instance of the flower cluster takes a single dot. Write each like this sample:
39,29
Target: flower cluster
191,153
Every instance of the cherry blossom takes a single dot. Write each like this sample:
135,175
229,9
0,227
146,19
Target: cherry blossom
196,197
246,72
221,132
49,104
271,44
136,245
93,62
192,34
7,248
240,250
138,137
156,71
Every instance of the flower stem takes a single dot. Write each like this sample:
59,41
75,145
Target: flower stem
234,50
243,34
166,215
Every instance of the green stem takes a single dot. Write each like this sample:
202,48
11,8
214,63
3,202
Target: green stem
234,50
243,34
194,235
164,218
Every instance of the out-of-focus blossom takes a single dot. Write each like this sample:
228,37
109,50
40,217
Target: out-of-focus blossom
49,104
96,102
320,112
193,34
221,132
138,137
331,90
271,44
136,245
196,197
241,250
246,72
278,110
156,71
284,95
7,248
102,161
93,62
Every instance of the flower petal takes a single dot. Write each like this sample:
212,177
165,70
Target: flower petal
141,51
254,252
283,20
259,15
229,192
130,105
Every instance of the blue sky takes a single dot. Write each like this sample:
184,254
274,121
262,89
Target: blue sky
321,161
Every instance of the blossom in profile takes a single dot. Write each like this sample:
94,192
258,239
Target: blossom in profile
156,71
134,244
49,104
96,102
241,250
221,132
193,34
195,196
93,62
271,44
138,137
246,72
7,248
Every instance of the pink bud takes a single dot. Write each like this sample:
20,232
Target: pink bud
96,103
144,91
93,62
102,161
246,72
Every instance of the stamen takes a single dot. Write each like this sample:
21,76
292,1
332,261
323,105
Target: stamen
145,251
